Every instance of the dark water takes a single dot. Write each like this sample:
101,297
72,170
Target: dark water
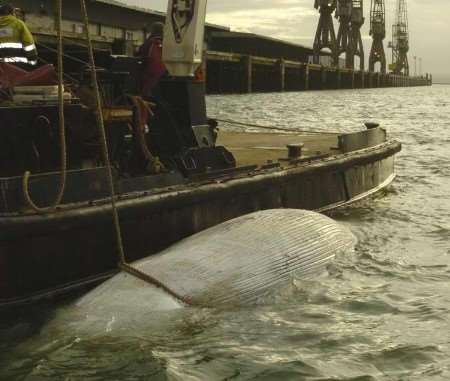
381,313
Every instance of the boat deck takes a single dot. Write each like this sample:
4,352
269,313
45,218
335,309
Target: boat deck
259,148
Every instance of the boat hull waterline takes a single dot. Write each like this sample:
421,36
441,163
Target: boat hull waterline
45,255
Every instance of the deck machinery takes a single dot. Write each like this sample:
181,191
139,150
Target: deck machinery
180,134
378,33
325,34
400,40
351,18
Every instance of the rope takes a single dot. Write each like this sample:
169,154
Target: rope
142,114
62,130
153,281
72,58
122,264
67,76
274,128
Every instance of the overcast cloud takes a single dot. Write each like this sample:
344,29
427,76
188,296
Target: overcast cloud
296,20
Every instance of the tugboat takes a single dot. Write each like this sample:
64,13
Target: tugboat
172,175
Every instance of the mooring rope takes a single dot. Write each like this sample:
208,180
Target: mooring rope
62,131
122,263
72,58
73,80
274,128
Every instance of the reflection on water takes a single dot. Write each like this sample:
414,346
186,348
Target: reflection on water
380,314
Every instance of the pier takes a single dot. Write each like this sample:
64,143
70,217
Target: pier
240,73
235,62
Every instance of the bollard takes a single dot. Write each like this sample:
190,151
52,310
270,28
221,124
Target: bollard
371,125
295,150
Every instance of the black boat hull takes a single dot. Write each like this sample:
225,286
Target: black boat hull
43,255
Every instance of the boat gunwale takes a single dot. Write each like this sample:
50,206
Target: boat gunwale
143,202
16,227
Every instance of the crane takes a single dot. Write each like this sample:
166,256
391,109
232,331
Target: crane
400,40
344,16
356,45
351,19
183,37
186,134
378,33
325,34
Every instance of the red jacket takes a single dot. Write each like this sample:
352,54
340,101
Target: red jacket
153,66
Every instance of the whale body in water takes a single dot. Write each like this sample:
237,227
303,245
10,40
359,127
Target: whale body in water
234,263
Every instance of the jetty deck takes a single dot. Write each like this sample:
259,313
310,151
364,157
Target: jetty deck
261,148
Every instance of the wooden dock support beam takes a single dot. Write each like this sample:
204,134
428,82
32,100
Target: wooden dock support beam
306,77
282,70
247,69
323,78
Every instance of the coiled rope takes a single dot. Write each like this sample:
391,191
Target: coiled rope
62,131
274,128
122,263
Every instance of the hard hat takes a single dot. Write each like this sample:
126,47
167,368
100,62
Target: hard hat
157,29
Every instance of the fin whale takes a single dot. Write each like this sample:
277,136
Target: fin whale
236,262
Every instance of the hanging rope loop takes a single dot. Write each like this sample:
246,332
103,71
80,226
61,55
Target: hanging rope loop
62,131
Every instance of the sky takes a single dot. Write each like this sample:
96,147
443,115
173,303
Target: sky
296,21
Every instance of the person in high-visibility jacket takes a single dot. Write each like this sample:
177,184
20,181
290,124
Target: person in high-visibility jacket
16,41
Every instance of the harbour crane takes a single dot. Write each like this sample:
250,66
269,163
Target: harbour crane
351,19
378,33
344,16
400,40
325,34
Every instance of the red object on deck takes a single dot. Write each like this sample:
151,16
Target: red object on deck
153,66
11,76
